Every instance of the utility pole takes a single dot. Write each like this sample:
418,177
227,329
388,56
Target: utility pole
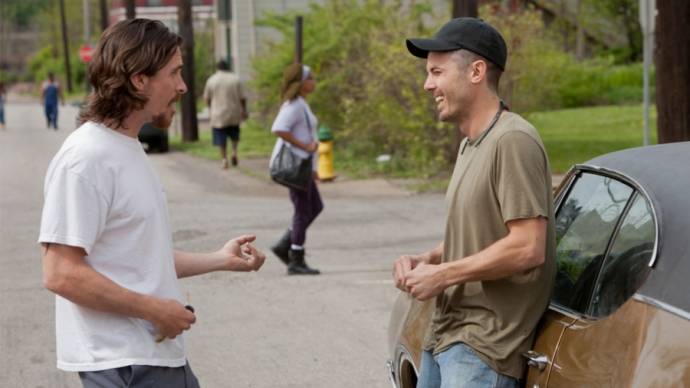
225,26
465,8
298,39
461,8
103,6
130,9
190,130
65,45
87,20
673,70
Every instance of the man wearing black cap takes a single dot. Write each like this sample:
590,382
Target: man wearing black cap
492,275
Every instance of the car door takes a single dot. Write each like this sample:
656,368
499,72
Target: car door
605,233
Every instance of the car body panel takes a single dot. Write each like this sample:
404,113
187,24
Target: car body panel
551,327
599,353
665,353
408,324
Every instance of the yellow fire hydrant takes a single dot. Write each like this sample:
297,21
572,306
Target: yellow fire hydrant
326,171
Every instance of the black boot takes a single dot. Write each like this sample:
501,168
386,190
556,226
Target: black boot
297,264
282,247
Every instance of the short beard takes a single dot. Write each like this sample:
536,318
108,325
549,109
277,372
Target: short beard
162,120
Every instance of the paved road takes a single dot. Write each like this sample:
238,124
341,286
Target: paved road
254,330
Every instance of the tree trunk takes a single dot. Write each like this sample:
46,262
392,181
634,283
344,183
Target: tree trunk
461,8
130,9
65,45
673,70
580,39
105,17
190,130
465,8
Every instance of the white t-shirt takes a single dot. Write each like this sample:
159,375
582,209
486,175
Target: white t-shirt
101,194
292,117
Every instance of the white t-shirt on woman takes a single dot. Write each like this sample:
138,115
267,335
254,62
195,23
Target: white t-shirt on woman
292,117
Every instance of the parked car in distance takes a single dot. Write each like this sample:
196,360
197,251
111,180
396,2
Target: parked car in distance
153,139
620,309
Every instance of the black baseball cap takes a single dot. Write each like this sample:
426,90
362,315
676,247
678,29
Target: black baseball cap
464,33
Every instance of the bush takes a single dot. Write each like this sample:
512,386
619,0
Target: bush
49,59
369,88
541,76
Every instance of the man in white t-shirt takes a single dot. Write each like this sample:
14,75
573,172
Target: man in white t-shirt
105,234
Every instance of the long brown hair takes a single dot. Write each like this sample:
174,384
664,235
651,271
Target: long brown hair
130,47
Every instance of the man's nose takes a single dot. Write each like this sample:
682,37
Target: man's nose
182,87
429,84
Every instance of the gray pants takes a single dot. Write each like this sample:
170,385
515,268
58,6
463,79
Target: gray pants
140,376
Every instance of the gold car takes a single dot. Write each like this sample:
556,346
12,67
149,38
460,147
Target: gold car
620,310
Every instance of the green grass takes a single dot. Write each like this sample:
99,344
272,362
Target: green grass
570,135
255,142
576,135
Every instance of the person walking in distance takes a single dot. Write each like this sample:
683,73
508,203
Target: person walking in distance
105,233
3,97
227,102
493,273
51,92
296,126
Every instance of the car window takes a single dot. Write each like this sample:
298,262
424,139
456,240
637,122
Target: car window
584,225
627,264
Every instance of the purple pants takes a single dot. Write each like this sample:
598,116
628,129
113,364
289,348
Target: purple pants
307,205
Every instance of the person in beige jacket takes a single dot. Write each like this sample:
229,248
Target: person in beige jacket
227,103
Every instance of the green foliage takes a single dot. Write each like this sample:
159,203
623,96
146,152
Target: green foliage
22,12
369,88
541,76
50,59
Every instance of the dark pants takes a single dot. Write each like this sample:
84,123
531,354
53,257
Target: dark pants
307,206
51,115
140,376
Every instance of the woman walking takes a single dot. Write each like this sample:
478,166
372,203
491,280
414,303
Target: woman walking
295,127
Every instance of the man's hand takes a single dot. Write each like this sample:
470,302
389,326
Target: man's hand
425,281
170,318
402,266
241,255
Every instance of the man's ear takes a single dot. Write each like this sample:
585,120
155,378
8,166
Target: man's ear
478,71
139,81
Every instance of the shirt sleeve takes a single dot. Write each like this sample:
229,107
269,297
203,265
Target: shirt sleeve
286,120
74,212
520,177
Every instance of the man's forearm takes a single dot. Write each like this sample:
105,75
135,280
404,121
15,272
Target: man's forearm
191,264
507,256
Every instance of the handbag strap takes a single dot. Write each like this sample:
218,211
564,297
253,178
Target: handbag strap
306,117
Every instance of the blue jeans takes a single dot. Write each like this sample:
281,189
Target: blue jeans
459,367
51,115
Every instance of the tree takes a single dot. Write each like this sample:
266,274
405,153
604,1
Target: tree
130,9
190,130
465,8
673,70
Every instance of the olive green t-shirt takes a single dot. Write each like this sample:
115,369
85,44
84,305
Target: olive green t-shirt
502,175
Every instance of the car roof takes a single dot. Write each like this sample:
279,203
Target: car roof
662,172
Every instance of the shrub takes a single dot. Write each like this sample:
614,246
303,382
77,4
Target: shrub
369,87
